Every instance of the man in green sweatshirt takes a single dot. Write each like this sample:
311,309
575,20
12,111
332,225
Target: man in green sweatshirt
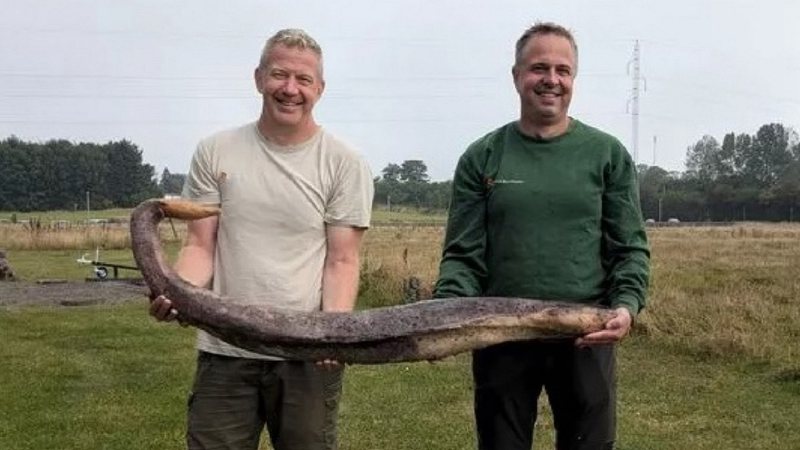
547,207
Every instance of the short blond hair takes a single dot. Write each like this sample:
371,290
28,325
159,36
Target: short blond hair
292,38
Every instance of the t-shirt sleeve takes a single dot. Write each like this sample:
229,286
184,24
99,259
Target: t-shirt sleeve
350,203
202,185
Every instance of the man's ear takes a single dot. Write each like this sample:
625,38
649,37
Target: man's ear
514,76
257,77
321,88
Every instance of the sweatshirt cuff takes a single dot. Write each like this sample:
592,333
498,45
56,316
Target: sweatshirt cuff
628,302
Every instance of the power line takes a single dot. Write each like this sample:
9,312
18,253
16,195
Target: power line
353,97
62,76
188,122
725,102
717,52
387,79
240,78
741,92
150,33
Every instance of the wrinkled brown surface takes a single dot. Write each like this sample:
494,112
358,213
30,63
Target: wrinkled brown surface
420,331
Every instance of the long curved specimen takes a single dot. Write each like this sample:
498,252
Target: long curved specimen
426,330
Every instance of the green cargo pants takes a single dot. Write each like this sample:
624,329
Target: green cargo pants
234,398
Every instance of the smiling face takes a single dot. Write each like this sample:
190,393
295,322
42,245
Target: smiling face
290,82
543,77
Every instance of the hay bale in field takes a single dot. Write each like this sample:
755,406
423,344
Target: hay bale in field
6,272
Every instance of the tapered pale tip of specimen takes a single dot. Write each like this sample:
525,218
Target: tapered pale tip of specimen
187,210
581,320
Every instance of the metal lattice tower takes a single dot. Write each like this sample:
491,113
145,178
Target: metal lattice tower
655,141
634,100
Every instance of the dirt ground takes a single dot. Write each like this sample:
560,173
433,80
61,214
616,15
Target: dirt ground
71,293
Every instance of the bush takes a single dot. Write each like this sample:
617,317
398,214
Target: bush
379,287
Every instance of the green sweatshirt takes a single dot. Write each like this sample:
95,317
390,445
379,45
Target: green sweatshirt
554,219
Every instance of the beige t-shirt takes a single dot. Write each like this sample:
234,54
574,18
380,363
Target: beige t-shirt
276,202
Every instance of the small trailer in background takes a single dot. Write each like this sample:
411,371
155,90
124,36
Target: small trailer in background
101,268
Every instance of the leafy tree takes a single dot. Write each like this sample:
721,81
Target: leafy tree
132,180
171,183
708,161
786,191
742,148
414,170
391,173
408,184
438,197
15,179
57,175
653,183
767,155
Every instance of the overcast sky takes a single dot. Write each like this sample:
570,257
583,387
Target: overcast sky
405,79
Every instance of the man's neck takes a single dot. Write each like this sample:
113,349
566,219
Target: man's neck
283,135
543,130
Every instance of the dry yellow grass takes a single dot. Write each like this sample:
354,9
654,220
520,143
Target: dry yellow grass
404,250
723,290
76,237
727,290
393,254
24,237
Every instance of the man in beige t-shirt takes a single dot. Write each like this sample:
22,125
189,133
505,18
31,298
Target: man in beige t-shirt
295,204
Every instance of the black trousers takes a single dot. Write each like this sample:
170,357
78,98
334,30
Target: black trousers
579,382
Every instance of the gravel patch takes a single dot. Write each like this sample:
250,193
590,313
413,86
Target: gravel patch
71,293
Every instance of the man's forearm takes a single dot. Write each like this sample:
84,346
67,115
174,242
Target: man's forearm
340,285
195,265
195,262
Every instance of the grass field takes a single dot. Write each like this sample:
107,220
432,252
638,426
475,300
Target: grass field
407,216
379,215
109,378
77,215
714,362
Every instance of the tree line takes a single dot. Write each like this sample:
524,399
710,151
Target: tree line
58,174
408,184
741,177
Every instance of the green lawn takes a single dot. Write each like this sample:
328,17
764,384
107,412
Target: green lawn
32,265
107,377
